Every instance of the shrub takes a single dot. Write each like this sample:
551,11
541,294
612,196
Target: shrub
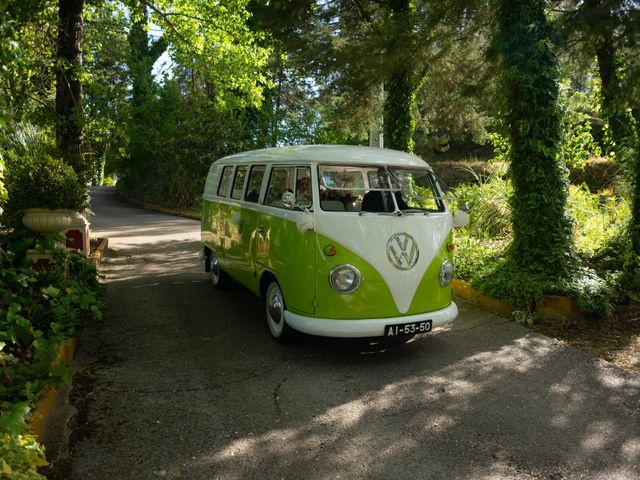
592,281
597,218
38,311
46,182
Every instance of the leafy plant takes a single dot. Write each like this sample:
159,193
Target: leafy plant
38,311
20,457
594,277
44,182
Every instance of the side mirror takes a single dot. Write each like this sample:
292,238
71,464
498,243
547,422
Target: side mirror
288,200
460,218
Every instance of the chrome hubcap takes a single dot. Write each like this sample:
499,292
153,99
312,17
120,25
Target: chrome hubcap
275,308
215,267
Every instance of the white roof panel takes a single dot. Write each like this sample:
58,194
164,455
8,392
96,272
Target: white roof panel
333,154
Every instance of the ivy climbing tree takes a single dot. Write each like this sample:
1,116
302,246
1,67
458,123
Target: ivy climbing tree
399,123
542,245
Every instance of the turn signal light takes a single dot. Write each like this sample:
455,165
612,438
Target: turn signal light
330,250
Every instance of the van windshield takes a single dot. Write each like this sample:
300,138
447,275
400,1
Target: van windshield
379,190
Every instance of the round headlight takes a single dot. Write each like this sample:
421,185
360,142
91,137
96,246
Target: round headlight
446,273
345,278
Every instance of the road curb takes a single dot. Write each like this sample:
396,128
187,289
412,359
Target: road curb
99,252
42,411
157,208
553,306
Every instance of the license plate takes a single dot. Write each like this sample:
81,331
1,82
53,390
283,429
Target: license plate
412,328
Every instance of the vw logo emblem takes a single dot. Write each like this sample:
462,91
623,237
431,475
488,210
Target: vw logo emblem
402,251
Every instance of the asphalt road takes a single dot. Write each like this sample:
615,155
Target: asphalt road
181,381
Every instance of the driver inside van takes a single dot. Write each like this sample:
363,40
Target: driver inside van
381,200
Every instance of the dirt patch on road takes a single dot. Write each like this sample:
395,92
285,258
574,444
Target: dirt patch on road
615,338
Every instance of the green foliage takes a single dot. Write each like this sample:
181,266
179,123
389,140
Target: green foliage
213,39
106,86
489,201
597,218
43,182
22,139
501,147
27,46
178,128
596,273
474,255
525,289
399,124
578,141
40,309
20,457
3,190
187,127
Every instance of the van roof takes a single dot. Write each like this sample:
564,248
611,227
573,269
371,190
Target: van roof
334,154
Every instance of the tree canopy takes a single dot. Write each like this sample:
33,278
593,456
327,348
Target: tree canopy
545,86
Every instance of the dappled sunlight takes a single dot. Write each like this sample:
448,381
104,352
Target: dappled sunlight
418,415
153,259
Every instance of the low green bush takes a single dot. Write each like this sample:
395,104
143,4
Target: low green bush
39,309
599,268
43,182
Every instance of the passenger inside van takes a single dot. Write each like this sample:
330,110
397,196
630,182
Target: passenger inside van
303,191
278,186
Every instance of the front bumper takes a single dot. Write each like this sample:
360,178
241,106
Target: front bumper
368,327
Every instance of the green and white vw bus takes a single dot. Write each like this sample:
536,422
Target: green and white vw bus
340,241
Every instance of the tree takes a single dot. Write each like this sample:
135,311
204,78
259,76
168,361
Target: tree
216,75
541,230
106,89
399,122
143,122
69,136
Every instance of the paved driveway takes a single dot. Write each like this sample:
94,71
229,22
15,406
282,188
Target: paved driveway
183,381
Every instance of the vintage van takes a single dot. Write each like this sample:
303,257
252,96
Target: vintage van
340,241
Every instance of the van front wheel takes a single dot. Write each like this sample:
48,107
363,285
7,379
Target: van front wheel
219,277
275,307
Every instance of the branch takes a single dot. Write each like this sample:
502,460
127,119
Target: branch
165,16
365,15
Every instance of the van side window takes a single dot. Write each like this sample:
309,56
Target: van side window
303,187
255,182
238,183
281,182
212,180
225,181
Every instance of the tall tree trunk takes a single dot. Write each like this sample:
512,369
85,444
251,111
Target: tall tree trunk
634,225
399,124
69,137
541,229
611,97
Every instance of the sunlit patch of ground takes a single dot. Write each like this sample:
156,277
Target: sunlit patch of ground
615,338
